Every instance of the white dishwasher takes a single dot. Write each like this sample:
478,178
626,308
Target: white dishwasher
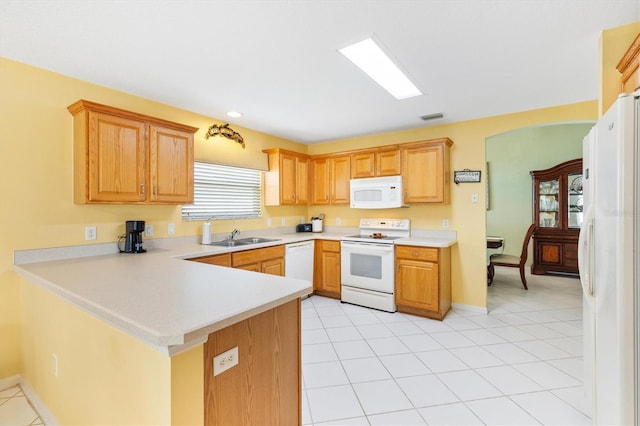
298,260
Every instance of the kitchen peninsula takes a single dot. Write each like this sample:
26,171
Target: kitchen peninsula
138,329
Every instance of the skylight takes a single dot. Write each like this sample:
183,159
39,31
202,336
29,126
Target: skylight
368,56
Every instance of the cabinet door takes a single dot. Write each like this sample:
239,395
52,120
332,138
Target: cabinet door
171,166
216,259
363,165
273,267
424,174
339,179
302,181
320,181
287,179
117,159
389,163
417,284
330,272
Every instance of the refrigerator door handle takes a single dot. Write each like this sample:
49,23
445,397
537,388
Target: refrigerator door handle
585,254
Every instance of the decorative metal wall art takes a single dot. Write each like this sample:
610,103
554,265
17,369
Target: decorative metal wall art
226,131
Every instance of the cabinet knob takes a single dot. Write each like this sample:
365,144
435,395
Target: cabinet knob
415,253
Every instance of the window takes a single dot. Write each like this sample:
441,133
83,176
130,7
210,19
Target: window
224,192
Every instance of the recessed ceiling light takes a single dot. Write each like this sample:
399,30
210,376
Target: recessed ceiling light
234,114
368,56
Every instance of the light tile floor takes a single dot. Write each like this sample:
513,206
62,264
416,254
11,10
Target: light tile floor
520,364
15,408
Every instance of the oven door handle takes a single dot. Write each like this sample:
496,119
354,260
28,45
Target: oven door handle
368,246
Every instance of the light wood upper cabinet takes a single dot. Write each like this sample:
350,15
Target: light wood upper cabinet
340,174
319,177
125,157
330,180
171,164
425,171
287,181
379,162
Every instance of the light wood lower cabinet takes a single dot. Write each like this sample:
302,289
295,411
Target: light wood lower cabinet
423,280
216,259
326,276
268,260
265,387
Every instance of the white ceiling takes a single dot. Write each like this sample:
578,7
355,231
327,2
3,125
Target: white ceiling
278,63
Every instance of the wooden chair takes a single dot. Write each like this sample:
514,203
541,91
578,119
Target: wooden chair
511,261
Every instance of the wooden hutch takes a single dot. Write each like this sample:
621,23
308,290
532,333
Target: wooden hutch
557,211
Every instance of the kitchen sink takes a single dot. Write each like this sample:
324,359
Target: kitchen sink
229,243
256,240
242,242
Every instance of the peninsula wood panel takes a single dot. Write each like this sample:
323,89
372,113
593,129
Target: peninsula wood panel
265,387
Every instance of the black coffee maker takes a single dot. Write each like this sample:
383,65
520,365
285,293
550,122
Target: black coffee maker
133,237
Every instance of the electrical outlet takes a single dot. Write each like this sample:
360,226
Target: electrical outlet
269,222
445,223
474,197
171,229
225,361
284,221
90,233
338,221
54,365
148,230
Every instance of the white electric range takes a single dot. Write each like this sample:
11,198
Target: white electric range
368,265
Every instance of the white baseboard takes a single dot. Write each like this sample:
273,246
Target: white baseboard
470,308
42,410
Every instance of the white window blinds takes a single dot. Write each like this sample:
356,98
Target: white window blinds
224,192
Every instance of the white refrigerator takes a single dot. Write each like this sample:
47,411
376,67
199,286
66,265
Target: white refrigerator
609,263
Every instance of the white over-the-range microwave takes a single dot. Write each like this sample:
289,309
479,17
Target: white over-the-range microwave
376,193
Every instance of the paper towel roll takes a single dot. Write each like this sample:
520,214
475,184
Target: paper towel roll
206,233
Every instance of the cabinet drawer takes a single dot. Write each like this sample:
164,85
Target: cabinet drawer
328,245
414,252
256,255
216,259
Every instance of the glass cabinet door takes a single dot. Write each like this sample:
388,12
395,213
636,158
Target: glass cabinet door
549,205
574,186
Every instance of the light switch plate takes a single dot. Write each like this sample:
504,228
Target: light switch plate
148,230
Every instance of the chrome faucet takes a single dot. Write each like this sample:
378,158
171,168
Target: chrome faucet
233,233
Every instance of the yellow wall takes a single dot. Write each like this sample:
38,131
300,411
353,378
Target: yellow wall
613,44
104,375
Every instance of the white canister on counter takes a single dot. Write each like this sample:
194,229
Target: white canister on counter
206,233
316,224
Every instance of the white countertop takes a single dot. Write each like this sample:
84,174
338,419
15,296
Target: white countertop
163,300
